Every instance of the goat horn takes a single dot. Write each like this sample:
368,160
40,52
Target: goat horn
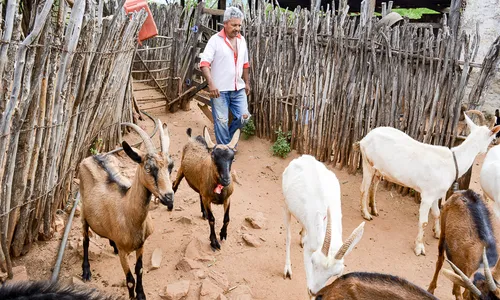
206,135
328,234
482,119
466,280
164,139
353,238
147,141
452,276
487,273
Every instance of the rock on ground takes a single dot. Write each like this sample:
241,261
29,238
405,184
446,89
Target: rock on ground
176,290
210,291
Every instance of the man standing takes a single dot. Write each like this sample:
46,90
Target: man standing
223,63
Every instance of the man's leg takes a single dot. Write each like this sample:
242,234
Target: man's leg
220,114
239,108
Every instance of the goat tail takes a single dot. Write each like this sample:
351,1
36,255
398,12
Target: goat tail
356,146
189,131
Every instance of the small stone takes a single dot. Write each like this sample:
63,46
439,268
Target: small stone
78,210
156,258
3,276
184,220
258,221
194,250
209,290
72,245
187,265
250,240
177,290
219,279
20,273
200,274
76,280
59,224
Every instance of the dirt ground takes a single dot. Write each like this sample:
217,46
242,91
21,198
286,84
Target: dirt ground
386,247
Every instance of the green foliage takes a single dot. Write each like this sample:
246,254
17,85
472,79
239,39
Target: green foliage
414,13
248,130
281,147
94,150
411,13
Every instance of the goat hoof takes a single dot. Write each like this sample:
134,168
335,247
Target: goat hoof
215,245
367,217
288,274
419,249
223,235
86,275
141,297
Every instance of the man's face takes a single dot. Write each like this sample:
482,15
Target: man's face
232,27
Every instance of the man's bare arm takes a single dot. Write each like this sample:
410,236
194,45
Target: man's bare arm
214,92
246,78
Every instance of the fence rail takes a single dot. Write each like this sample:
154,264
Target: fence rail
328,79
57,101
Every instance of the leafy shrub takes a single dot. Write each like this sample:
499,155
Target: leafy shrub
281,147
249,129
94,150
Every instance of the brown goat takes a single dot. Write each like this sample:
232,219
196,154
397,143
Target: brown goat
482,287
207,168
467,225
118,210
373,286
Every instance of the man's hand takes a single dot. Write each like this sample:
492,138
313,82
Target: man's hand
247,88
214,92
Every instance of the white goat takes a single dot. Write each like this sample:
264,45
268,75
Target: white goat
312,195
490,177
428,169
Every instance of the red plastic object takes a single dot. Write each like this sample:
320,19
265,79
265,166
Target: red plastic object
148,29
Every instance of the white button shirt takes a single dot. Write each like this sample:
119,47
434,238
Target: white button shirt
226,66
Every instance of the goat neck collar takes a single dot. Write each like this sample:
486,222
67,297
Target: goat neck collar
455,184
218,189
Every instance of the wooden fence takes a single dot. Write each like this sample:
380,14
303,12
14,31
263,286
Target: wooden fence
64,89
166,62
329,79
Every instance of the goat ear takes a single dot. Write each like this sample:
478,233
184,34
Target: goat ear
164,138
495,129
206,135
469,122
131,153
453,277
235,139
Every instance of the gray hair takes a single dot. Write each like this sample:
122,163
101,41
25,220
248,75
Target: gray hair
232,13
